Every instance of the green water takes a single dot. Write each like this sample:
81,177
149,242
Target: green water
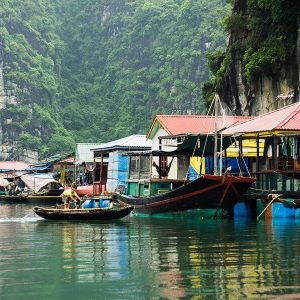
184,257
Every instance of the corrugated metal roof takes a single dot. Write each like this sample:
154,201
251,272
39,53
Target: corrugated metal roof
129,142
195,124
285,118
293,122
83,152
13,165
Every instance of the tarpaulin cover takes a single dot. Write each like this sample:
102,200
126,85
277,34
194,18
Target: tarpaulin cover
40,167
37,181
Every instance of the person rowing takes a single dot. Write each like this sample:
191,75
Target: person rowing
70,196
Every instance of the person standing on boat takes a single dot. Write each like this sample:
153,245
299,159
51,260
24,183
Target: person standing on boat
70,196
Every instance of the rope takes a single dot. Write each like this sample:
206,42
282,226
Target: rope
237,161
198,139
241,154
275,197
187,172
206,138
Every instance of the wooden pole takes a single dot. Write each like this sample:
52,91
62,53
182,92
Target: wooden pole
215,154
159,159
225,159
257,153
94,168
139,167
101,173
275,159
221,156
62,178
240,154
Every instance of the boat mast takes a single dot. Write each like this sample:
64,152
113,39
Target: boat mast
221,154
221,137
217,104
216,136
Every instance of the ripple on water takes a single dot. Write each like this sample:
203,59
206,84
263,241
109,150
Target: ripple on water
20,220
146,258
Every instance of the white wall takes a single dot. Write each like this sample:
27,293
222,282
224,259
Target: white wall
155,146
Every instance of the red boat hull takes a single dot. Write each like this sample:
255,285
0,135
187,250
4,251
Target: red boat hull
208,191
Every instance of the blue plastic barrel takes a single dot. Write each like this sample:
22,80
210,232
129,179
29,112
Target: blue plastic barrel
279,210
104,203
241,210
88,204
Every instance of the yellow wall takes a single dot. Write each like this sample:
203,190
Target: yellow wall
249,148
195,163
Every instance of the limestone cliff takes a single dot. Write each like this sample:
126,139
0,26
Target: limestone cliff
262,60
6,98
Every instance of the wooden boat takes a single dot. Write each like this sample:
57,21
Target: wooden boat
118,211
38,188
51,197
32,198
42,188
13,199
208,191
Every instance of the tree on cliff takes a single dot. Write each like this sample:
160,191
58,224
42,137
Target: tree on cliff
98,70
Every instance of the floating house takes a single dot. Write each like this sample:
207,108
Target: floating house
278,169
84,163
112,163
174,140
83,153
170,132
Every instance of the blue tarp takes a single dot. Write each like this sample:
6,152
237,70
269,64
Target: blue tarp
209,166
230,162
40,167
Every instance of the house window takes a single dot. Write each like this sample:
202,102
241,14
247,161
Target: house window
134,167
144,167
163,163
140,167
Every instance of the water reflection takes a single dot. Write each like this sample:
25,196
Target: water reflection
90,252
144,258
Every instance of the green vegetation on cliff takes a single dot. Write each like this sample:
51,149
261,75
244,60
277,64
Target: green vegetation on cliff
95,70
263,33
31,51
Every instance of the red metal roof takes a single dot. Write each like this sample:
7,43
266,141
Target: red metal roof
183,124
285,118
13,165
